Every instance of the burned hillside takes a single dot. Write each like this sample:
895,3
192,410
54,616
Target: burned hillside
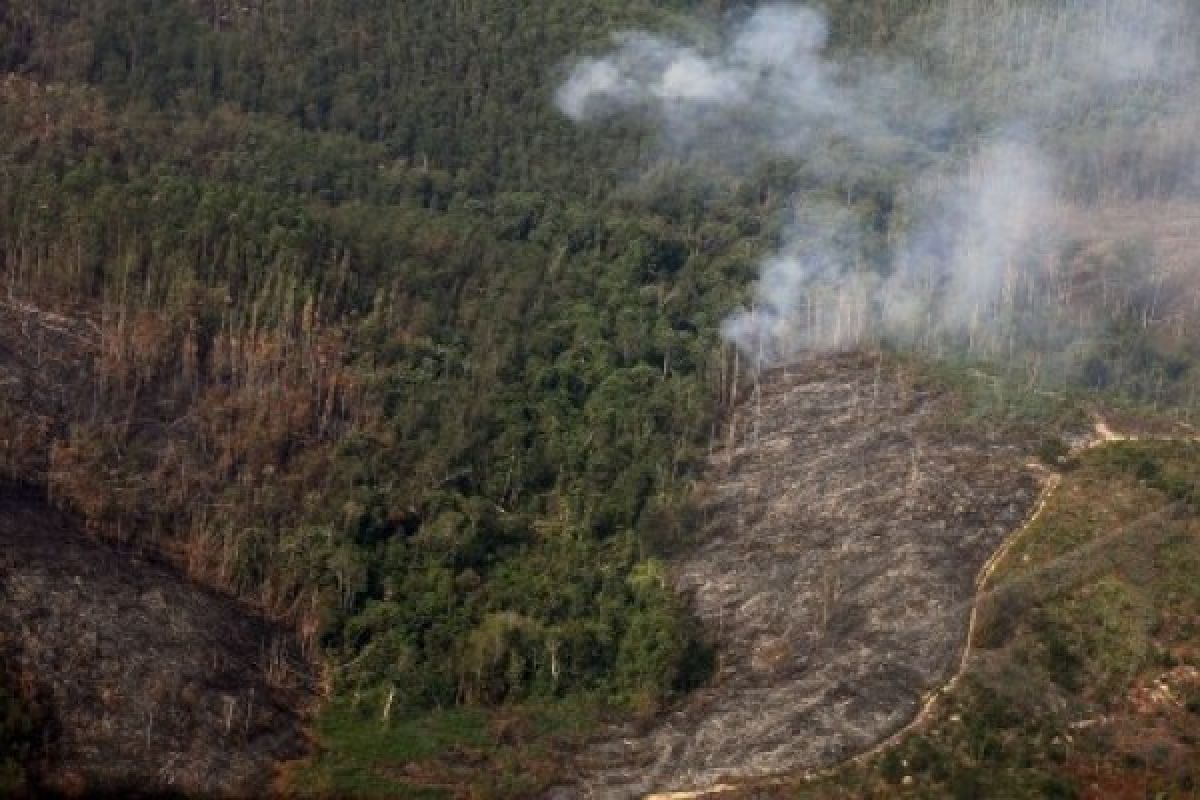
846,524
145,684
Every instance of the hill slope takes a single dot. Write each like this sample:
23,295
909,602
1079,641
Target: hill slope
145,684
847,520
328,305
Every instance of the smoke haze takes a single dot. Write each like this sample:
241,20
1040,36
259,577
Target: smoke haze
994,122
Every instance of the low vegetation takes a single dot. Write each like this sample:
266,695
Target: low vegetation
1085,671
511,753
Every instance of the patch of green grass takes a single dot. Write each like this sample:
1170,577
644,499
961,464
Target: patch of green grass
362,756
501,753
1097,638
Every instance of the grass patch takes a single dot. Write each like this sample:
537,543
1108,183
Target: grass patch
1095,639
511,752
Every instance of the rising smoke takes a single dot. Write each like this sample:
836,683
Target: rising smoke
998,118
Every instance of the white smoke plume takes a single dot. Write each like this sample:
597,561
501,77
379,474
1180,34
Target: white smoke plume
987,125
770,87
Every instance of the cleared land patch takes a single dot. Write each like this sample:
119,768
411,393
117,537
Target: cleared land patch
147,683
846,522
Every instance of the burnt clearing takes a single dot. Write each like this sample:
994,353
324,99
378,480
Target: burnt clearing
148,685
847,520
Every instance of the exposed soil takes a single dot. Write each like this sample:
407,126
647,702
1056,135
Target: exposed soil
849,518
152,685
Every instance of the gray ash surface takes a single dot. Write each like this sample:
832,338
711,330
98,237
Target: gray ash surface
151,685
847,521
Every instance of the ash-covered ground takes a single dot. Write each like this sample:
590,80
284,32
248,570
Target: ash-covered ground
151,685
848,519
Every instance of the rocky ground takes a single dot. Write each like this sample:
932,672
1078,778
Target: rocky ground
151,684
848,520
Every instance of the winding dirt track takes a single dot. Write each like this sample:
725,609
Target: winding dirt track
1102,435
847,521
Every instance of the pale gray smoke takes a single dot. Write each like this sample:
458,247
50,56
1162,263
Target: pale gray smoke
982,227
769,88
812,294
993,121
1054,59
776,53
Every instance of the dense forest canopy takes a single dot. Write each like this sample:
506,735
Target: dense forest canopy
351,320
369,334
